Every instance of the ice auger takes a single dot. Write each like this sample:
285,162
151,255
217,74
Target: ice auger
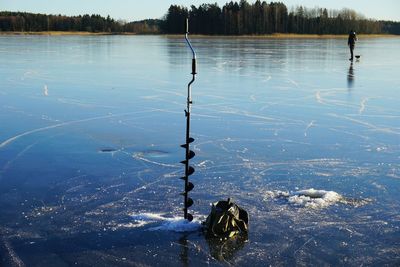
189,154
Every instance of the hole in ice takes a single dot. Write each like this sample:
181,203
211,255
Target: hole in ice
107,150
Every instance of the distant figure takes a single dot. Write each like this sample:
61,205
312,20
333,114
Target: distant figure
351,42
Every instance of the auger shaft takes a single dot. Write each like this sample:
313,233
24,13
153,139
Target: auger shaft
189,153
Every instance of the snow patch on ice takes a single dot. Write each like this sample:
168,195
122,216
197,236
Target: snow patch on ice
312,198
147,217
174,224
131,225
309,198
45,90
276,194
178,225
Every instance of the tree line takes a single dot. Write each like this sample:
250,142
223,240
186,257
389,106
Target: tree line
243,18
22,21
29,22
234,18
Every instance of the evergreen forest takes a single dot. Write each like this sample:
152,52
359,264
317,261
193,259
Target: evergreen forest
234,18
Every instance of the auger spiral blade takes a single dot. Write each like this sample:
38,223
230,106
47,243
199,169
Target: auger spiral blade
189,202
190,140
190,171
189,187
189,154
185,145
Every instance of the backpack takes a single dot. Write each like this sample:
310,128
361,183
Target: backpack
226,220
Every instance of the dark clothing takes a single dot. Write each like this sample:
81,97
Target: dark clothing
351,52
351,41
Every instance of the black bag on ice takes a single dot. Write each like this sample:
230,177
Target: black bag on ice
226,220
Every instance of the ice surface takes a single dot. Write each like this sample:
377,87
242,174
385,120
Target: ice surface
91,128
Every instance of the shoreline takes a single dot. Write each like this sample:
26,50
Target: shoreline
285,36
263,36
60,33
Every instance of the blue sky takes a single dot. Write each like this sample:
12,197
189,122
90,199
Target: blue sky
138,9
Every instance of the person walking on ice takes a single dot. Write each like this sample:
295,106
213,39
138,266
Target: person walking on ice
351,43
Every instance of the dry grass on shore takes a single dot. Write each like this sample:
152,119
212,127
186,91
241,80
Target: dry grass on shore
269,36
58,33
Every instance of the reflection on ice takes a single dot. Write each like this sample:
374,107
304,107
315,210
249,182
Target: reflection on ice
224,250
350,76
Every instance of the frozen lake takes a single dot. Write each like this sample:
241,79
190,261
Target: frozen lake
90,129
